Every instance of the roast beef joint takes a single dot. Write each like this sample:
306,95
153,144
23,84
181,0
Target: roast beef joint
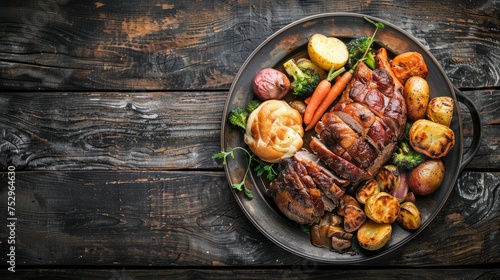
351,143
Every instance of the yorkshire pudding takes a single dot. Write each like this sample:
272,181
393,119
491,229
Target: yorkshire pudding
274,131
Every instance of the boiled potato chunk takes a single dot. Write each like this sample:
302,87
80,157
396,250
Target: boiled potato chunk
431,139
416,95
382,208
409,216
373,236
440,110
327,52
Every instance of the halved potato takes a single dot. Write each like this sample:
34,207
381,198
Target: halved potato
382,208
431,139
409,216
369,188
373,236
327,52
388,178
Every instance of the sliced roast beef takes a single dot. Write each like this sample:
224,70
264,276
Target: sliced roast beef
358,136
296,196
344,168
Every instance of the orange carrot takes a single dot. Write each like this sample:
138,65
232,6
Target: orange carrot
333,93
307,100
320,93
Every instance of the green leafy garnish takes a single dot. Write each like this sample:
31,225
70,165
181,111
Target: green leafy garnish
261,168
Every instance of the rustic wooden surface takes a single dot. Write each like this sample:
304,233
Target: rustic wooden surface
110,112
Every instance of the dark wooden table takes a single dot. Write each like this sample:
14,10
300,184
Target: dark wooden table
111,110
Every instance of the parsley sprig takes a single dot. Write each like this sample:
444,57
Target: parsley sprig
261,167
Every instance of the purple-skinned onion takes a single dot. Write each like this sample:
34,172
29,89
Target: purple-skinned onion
270,83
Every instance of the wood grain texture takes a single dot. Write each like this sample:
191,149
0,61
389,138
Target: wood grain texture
298,272
150,130
159,219
111,110
78,45
110,130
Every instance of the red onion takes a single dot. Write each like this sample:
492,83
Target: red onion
270,83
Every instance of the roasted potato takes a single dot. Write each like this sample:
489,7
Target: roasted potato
388,178
426,177
382,208
367,189
327,52
440,110
407,65
431,139
409,216
416,95
373,236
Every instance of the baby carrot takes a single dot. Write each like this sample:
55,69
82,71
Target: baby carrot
319,94
307,100
333,93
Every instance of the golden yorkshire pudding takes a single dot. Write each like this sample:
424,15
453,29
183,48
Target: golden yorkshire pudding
274,131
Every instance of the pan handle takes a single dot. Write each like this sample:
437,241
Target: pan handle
476,123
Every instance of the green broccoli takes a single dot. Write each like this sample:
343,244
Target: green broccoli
360,48
303,84
405,157
253,105
357,48
238,117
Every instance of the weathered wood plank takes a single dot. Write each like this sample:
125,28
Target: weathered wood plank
110,130
124,218
60,44
149,130
299,272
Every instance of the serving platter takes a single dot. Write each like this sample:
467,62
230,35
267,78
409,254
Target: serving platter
291,41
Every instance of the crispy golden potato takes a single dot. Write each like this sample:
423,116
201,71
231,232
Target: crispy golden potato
431,139
327,52
409,216
388,178
373,236
440,110
382,208
369,188
416,95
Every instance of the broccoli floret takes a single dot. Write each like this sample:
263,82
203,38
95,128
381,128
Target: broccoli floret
357,48
405,157
360,48
253,105
238,117
303,84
